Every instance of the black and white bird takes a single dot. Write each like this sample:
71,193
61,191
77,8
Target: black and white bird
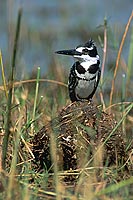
85,73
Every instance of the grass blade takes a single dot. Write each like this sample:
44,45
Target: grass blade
104,59
3,75
36,93
9,100
35,100
115,187
130,59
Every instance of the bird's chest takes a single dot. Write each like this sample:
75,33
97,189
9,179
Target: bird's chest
83,84
85,77
84,88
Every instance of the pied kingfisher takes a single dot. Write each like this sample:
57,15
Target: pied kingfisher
85,73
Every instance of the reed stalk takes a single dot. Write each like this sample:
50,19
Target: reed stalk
10,91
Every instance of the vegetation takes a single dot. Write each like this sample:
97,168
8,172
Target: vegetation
29,104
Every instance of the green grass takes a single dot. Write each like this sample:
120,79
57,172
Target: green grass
31,104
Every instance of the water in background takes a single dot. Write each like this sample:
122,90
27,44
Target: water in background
52,25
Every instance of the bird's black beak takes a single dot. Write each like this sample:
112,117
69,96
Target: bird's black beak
71,52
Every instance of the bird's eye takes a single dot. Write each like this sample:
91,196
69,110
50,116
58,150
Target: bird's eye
85,51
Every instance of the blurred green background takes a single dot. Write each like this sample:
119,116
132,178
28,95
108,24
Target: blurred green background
52,25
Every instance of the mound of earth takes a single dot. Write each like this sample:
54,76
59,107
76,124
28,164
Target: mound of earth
80,131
